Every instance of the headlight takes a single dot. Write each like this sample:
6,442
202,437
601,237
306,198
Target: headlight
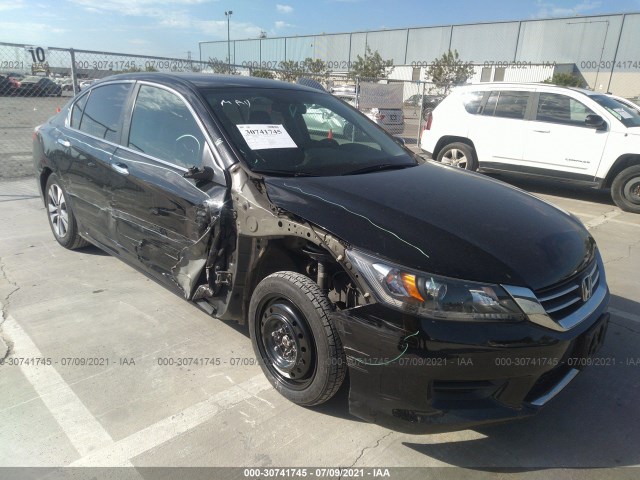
435,296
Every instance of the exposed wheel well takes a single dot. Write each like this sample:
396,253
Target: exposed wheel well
620,164
444,141
44,176
293,254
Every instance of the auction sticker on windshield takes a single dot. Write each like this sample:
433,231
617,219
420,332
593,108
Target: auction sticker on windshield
262,137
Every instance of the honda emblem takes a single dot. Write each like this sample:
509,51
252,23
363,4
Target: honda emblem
587,287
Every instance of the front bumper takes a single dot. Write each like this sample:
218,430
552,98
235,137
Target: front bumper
454,375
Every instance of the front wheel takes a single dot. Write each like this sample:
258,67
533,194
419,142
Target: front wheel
625,189
294,338
458,155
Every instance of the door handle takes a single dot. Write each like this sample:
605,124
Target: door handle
121,168
542,131
64,143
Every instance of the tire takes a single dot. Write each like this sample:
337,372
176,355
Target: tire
625,189
458,155
295,341
61,218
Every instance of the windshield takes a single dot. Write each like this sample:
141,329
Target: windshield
298,132
627,115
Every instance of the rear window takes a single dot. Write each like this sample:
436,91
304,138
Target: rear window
472,101
103,112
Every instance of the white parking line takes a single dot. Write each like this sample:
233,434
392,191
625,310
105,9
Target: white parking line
144,440
92,442
84,431
604,218
626,315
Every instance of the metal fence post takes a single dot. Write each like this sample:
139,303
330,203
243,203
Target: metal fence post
420,114
74,74
357,92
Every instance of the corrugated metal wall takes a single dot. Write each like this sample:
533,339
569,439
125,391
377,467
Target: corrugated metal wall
604,48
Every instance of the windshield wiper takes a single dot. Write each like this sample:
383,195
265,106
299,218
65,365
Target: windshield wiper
284,173
382,166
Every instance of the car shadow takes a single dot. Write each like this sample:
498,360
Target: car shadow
559,189
93,250
337,406
592,424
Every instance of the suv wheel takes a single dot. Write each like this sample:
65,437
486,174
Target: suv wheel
458,155
61,218
294,339
625,189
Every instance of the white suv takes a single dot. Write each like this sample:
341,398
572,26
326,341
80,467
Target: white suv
568,134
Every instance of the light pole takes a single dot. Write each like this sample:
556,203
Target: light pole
228,15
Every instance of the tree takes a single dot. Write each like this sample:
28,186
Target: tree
290,70
314,67
263,74
566,79
449,71
372,66
222,67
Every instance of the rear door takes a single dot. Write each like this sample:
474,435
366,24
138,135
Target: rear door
499,129
163,219
85,148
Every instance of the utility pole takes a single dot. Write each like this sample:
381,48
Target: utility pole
228,15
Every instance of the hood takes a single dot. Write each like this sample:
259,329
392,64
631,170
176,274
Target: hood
444,221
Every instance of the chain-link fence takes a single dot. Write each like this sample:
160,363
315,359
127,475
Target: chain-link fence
36,81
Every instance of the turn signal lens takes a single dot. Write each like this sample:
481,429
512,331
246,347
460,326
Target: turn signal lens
409,282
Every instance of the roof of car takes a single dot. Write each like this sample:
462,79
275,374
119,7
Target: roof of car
204,80
503,85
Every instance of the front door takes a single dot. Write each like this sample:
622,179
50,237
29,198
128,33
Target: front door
163,220
559,141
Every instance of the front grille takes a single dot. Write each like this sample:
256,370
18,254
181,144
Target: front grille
564,299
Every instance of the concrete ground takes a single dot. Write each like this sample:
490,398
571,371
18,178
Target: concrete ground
128,407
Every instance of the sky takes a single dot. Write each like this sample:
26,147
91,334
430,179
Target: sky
172,28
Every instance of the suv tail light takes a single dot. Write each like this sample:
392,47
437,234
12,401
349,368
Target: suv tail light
375,114
429,120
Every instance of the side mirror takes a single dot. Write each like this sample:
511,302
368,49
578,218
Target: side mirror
205,174
400,141
595,121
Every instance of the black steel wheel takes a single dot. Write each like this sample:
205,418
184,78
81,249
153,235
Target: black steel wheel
294,339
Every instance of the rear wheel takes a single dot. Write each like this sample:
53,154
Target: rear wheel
625,189
61,218
294,338
458,155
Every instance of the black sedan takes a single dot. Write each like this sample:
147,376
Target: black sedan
39,87
340,250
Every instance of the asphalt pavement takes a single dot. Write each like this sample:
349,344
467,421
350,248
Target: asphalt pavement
111,389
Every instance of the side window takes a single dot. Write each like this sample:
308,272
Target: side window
490,106
78,110
507,104
512,105
103,111
554,108
472,101
162,126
